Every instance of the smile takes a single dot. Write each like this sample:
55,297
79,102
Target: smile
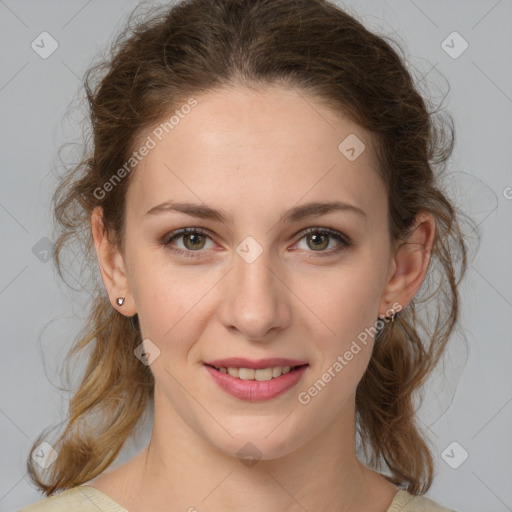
256,384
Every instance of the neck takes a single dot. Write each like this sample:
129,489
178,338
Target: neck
181,470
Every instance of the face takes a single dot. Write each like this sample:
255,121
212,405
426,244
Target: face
260,274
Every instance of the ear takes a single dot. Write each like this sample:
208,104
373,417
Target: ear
112,266
409,265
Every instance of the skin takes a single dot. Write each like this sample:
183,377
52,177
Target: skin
255,155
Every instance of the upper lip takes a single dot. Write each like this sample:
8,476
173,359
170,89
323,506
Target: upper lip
241,362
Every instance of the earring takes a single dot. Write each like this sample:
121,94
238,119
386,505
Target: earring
120,301
392,317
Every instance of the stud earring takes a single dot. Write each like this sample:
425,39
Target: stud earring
392,317
120,301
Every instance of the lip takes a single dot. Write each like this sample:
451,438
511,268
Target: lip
256,364
253,390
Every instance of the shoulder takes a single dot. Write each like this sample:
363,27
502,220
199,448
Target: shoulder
406,502
82,498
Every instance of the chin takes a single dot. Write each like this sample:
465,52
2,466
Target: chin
258,442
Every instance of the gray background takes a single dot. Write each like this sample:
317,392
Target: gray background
468,401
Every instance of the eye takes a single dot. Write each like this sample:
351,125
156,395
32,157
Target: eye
193,240
318,239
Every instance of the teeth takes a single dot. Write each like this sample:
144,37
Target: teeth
234,372
246,373
260,374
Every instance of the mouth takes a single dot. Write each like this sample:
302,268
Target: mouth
264,381
257,374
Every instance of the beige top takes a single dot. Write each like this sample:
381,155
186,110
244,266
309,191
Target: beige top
85,498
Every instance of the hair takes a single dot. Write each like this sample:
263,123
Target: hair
155,65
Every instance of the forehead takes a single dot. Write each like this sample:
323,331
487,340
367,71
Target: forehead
244,146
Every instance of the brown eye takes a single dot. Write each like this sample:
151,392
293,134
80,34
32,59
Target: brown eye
187,242
193,241
319,241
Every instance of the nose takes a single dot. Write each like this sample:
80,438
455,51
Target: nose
255,299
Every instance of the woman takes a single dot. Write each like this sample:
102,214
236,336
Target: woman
262,202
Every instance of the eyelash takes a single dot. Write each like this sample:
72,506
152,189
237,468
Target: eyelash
345,242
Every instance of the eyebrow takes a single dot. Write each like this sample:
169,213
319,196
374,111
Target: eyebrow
295,214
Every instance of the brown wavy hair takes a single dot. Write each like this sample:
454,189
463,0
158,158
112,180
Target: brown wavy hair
163,57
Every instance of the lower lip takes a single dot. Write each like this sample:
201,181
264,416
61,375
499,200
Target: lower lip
253,390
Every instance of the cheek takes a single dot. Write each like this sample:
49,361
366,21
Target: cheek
169,299
347,304
347,300
348,309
